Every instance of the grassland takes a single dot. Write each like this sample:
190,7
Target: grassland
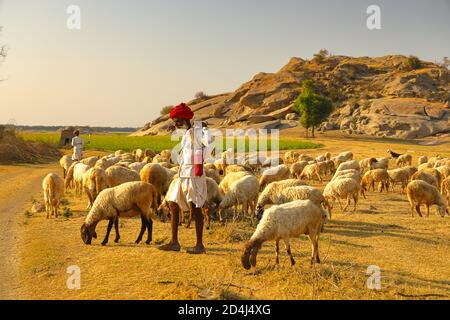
412,253
112,142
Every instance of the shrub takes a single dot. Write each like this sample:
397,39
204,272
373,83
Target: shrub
200,95
320,56
413,63
27,214
165,110
67,212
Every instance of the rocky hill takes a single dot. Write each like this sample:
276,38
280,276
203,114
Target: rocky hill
383,96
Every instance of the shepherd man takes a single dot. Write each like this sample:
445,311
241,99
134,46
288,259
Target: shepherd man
77,144
188,193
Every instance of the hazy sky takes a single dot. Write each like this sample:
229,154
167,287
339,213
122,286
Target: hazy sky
133,57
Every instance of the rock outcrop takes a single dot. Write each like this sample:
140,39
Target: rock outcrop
376,96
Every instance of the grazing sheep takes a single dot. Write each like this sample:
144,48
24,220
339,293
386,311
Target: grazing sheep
291,157
348,155
242,192
401,176
237,168
323,157
445,189
444,170
350,173
212,173
373,176
90,161
272,192
137,166
381,163
158,176
345,188
273,161
420,192
421,160
106,163
330,167
126,200
53,187
277,173
284,222
94,181
297,168
435,173
167,154
367,163
424,166
404,160
68,181
338,160
311,171
442,162
424,176
433,160
226,182
117,175
65,162
78,172
351,164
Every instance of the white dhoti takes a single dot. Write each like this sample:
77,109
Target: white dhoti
77,154
185,190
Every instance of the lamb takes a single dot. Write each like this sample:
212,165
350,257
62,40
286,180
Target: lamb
68,181
65,162
351,164
445,189
53,187
401,176
421,160
242,192
403,160
126,200
78,172
346,188
311,171
117,175
420,192
94,181
283,222
277,173
424,176
272,192
376,175
367,163
297,168
381,163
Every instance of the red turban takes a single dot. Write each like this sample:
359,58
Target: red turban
181,111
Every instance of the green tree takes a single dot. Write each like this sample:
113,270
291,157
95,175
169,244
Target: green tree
312,107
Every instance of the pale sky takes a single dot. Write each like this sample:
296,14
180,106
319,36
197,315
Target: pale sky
133,57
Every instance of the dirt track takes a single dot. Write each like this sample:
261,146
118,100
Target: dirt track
19,184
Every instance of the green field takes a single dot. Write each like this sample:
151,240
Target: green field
112,142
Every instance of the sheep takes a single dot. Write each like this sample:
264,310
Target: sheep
283,222
351,164
330,167
433,160
90,161
424,166
376,175
79,170
346,188
94,181
381,163
399,175
68,181
367,163
108,162
118,153
445,189
208,166
442,162
117,175
126,200
420,192
212,173
404,159
297,168
159,158
435,173
421,160
394,155
304,193
158,176
149,153
424,176
138,155
291,157
272,192
338,160
137,166
323,157
277,173
311,171
167,154
242,192
65,162
226,182
53,187
444,171
350,173
237,168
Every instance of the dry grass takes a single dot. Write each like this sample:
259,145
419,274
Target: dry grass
413,254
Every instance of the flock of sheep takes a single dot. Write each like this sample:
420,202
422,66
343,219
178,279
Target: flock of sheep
134,184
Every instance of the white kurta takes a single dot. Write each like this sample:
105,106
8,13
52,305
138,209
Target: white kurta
189,188
77,144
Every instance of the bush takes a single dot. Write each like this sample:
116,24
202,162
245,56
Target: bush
320,56
413,63
200,95
67,212
165,110
27,214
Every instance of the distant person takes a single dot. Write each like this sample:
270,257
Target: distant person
77,144
189,192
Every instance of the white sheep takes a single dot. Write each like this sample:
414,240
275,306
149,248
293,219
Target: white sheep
137,166
126,200
404,160
277,173
367,163
311,171
350,164
346,188
94,181
242,192
400,176
224,185
284,222
65,162
445,189
424,176
350,173
444,171
117,175
373,176
382,163
90,161
420,192
421,160
297,168
53,187
78,172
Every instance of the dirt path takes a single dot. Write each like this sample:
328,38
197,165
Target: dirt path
17,184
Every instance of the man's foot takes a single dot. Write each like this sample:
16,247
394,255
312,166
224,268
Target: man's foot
198,249
170,247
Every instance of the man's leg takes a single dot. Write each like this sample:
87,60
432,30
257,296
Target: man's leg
173,245
198,217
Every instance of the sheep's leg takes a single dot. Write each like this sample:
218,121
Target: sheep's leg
428,211
108,231
143,226
277,248
355,200
339,203
149,223
205,212
418,210
116,228
314,237
288,250
347,204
